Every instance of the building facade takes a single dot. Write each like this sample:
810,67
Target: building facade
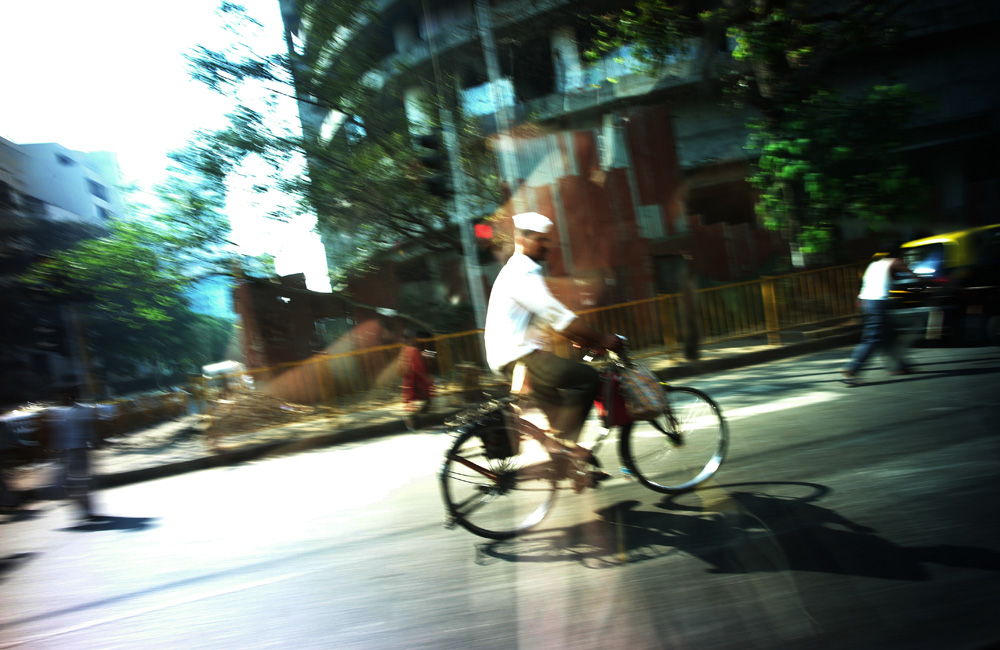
50,197
646,175
79,186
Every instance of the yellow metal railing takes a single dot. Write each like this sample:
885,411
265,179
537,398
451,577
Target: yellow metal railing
370,377
758,307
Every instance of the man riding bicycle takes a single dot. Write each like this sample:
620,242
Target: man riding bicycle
520,308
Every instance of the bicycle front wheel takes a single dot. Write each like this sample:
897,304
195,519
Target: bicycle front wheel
680,449
497,491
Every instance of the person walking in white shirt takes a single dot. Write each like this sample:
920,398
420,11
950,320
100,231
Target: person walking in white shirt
878,331
72,426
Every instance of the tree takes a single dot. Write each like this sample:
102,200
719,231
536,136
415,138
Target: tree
820,152
27,238
131,283
363,181
808,172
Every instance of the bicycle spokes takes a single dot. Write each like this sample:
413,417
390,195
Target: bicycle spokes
497,497
685,452
670,431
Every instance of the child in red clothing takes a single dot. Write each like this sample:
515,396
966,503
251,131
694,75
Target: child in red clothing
418,384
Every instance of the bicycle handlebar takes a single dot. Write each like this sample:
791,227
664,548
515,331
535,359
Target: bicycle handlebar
621,356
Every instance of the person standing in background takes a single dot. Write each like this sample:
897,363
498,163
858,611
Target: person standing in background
418,383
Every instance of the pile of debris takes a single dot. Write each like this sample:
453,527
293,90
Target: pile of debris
245,411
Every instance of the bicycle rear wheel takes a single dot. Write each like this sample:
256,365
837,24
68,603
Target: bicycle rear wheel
680,449
497,496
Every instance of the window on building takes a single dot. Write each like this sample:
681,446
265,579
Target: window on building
529,63
721,198
64,160
97,189
102,213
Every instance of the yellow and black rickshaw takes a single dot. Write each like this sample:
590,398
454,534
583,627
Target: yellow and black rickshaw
957,296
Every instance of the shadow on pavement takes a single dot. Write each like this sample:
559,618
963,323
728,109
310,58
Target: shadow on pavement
18,514
113,523
736,532
11,562
923,372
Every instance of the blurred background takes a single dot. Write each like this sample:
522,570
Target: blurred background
218,219
270,182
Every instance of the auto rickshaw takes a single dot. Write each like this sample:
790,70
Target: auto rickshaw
956,297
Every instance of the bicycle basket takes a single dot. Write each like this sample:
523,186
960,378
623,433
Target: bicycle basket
610,402
489,422
644,397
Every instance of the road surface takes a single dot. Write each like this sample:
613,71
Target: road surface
862,517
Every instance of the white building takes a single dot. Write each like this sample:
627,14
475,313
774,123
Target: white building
45,188
83,184
53,182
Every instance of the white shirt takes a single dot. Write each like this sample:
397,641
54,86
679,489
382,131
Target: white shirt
520,306
875,282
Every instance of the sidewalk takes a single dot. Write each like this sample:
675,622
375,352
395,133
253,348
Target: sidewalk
177,446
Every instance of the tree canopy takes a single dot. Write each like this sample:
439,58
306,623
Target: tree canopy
809,172
824,153
357,168
360,171
131,283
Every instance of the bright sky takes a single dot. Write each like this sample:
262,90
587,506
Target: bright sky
109,75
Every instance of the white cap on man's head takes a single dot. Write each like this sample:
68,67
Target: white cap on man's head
532,221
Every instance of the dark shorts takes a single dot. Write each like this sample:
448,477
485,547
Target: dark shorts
559,381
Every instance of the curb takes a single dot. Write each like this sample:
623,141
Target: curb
237,456
264,450
695,368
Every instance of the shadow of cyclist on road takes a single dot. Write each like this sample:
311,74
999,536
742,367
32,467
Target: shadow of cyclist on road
756,531
739,532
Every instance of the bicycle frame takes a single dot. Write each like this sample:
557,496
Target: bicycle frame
476,468
609,403
497,483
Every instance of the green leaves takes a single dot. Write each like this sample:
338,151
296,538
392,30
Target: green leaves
821,157
360,173
656,30
134,279
831,157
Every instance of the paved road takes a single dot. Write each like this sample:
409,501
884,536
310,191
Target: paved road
844,517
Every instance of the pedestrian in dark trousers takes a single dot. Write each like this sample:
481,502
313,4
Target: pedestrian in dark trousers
9,501
72,430
879,332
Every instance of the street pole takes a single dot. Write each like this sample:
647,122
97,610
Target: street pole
508,161
461,214
460,208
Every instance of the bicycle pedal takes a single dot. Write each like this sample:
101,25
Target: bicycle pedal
450,523
592,480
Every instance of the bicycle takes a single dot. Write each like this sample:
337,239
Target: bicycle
501,475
